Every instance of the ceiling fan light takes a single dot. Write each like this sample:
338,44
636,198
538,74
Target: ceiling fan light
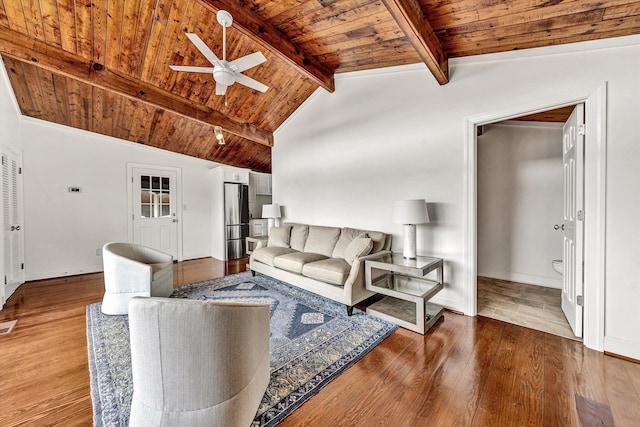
223,76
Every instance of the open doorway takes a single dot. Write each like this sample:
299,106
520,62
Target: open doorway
594,99
520,221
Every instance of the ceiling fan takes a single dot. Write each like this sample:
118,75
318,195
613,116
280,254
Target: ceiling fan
225,73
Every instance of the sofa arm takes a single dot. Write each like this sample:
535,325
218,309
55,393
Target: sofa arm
356,275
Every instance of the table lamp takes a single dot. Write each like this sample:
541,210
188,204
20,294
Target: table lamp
410,213
271,212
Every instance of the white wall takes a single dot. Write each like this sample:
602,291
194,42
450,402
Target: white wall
520,197
343,158
62,229
9,127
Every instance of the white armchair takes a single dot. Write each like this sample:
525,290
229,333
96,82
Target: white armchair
197,363
134,270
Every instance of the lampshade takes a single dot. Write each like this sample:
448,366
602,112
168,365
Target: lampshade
410,212
271,211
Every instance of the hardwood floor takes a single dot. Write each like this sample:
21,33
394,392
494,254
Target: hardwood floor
465,371
534,307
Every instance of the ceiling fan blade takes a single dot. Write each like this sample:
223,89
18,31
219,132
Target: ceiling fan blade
247,61
192,69
221,89
203,48
249,82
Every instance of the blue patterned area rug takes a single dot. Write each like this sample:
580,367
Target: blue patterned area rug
312,342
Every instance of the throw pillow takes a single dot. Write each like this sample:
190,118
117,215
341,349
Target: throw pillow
360,246
280,236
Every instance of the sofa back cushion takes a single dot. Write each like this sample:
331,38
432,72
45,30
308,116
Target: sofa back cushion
379,241
299,233
280,236
346,236
360,246
322,240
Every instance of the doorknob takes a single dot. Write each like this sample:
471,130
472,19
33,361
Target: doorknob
174,220
15,227
558,227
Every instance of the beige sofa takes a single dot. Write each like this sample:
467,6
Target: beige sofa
328,261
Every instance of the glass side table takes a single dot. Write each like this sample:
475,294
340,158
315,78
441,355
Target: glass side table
407,290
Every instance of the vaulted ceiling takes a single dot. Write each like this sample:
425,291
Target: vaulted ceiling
103,65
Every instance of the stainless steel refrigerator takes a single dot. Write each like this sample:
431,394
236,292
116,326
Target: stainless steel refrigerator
236,218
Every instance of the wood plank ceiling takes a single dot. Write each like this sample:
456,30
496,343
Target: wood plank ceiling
103,65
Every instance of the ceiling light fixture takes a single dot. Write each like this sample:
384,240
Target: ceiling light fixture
219,136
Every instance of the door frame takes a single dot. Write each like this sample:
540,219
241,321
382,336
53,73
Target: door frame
160,169
594,99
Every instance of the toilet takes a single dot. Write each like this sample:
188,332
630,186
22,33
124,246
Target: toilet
558,266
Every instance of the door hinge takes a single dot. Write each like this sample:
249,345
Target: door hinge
19,171
582,131
133,216
5,280
22,266
580,215
579,300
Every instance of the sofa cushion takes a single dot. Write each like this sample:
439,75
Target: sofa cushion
280,236
346,236
360,246
332,270
379,238
266,254
296,260
299,234
322,240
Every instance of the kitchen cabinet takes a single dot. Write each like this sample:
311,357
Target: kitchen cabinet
262,183
238,175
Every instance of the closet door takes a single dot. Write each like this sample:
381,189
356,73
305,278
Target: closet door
13,226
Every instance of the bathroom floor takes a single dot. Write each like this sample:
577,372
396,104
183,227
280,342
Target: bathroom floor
534,307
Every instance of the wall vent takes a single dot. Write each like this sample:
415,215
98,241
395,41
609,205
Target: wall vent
7,327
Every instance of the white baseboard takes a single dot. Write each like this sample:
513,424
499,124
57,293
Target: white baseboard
41,275
450,303
622,347
529,279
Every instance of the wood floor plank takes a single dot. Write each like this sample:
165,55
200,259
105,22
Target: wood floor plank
465,371
514,388
559,383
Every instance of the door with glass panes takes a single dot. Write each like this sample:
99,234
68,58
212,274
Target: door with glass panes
155,223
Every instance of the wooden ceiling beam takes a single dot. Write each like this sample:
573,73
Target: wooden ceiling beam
21,47
411,20
272,39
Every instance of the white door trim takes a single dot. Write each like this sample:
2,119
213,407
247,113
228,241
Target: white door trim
594,99
178,172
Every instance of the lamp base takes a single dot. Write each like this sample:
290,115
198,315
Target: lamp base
409,250
271,222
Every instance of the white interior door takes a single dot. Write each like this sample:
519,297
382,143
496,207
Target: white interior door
13,226
573,225
155,205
